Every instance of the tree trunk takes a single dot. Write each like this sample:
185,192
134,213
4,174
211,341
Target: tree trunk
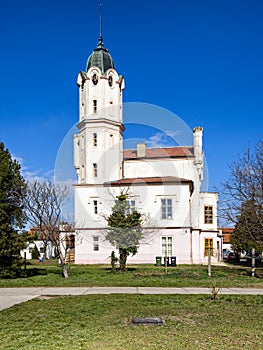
64,269
62,261
123,258
253,262
45,249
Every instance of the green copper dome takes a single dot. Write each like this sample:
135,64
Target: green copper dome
100,58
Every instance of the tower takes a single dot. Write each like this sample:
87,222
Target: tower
98,147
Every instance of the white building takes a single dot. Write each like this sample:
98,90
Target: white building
163,183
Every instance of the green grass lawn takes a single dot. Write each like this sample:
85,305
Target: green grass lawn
103,322
49,274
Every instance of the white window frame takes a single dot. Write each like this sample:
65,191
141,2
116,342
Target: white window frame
167,246
166,208
95,206
95,139
131,203
95,170
96,245
95,106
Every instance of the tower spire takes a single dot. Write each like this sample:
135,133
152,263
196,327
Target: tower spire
100,44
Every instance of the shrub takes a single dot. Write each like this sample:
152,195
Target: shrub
35,253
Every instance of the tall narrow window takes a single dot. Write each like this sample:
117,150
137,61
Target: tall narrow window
111,108
96,244
166,208
208,214
95,170
95,106
167,246
110,81
82,172
130,206
95,139
82,110
111,141
209,245
95,206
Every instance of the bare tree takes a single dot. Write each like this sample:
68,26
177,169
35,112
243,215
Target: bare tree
242,197
43,203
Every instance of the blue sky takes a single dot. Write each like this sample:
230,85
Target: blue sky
202,60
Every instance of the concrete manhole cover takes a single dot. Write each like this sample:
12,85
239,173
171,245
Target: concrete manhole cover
148,321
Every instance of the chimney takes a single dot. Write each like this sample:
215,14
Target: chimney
141,150
198,151
198,141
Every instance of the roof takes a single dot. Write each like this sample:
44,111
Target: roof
166,152
227,229
100,58
150,180
227,232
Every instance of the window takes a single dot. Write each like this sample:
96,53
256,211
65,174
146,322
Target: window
95,106
111,108
95,206
111,141
110,81
167,246
209,245
82,172
95,79
95,170
70,242
130,206
82,109
95,244
166,208
208,214
95,139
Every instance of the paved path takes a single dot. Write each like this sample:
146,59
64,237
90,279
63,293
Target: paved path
12,296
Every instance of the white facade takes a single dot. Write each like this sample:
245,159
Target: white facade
50,252
163,183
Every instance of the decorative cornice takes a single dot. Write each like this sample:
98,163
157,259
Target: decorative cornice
82,124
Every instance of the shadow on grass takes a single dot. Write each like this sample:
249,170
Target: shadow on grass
41,270
244,268
34,272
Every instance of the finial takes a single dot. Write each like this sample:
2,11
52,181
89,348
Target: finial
100,20
100,43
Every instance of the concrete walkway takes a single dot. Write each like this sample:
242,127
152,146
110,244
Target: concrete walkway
12,296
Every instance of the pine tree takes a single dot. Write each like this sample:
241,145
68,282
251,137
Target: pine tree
12,190
248,229
124,229
35,253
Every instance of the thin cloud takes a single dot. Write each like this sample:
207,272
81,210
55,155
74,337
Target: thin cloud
20,160
37,175
162,139
29,174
